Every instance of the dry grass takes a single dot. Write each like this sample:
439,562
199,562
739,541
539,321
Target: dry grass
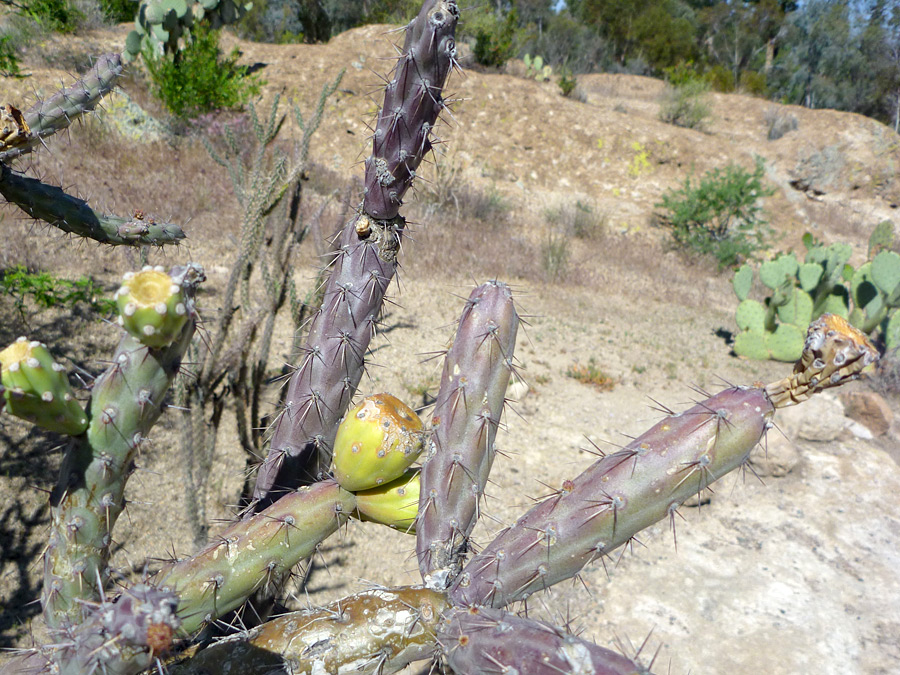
591,375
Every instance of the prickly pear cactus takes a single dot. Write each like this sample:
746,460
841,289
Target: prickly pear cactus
823,283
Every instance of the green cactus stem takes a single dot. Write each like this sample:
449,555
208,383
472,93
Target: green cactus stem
254,553
466,416
70,214
412,103
123,637
625,492
37,389
376,631
126,401
152,306
477,640
378,439
65,106
395,504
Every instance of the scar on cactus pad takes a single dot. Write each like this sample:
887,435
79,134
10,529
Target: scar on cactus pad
376,442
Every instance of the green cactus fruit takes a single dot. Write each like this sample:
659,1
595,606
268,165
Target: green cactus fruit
376,442
395,504
886,271
751,316
751,345
743,280
809,275
38,390
786,343
798,310
152,306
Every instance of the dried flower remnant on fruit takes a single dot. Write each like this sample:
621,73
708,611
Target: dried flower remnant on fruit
834,352
14,130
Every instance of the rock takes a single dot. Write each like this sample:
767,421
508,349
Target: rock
869,409
776,457
820,419
860,431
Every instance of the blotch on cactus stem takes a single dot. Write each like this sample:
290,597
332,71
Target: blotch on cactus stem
376,442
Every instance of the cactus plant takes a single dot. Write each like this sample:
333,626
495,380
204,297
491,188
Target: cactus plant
823,283
535,68
460,614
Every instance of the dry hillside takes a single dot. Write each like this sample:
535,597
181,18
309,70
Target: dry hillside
793,574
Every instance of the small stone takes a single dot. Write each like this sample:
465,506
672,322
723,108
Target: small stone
776,457
869,409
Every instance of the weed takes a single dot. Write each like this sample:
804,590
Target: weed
720,215
46,291
640,163
686,104
555,254
779,123
581,220
592,375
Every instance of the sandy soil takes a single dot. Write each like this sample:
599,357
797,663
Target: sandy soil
792,576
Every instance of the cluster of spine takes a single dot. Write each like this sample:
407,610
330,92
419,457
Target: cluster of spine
331,363
126,400
123,637
57,112
24,131
477,370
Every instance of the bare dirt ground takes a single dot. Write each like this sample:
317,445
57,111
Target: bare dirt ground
795,575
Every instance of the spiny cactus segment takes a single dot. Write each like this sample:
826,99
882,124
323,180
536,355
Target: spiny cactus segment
126,400
70,214
255,553
395,504
412,103
378,439
57,112
376,631
477,370
152,306
36,388
331,363
477,640
122,637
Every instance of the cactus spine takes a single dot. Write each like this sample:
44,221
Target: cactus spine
331,362
126,401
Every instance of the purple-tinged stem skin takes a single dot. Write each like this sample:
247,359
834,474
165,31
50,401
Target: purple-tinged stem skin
480,640
466,415
412,103
255,552
332,362
123,637
617,497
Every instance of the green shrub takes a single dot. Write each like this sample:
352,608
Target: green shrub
720,79
198,80
496,37
753,83
566,81
119,11
720,215
45,291
686,104
9,60
56,15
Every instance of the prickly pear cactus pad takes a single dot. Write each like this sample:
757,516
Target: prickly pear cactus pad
834,352
152,306
376,442
37,389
